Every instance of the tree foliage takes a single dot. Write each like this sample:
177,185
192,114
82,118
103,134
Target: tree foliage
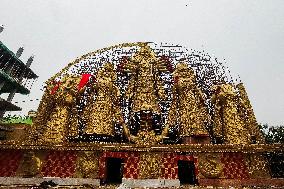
273,134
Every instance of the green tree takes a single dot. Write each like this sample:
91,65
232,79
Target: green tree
273,134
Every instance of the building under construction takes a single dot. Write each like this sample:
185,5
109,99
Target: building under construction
15,77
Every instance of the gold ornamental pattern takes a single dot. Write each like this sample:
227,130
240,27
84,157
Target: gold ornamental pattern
210,165
87,165
150,165
187,109
248,114
60,117
257,165
143,98
228,123
145,87
102,112
30,166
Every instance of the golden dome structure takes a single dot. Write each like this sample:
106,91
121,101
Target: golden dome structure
145,115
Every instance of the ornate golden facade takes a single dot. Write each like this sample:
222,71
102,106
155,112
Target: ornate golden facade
57,116
45,107
150,166
210,165
88,165
248,114
63,120
145,90
188,109
145,87
257,165
30,166
133,117
102,110
228,123
232,118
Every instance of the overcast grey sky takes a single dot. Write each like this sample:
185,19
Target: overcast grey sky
248,34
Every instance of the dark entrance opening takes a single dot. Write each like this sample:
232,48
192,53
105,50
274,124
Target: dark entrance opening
113,171
186,172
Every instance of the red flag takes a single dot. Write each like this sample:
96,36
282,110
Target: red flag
84,80
55,87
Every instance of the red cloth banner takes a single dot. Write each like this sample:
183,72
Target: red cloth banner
84,80
55,87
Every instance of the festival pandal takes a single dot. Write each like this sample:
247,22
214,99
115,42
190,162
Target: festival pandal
142,115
